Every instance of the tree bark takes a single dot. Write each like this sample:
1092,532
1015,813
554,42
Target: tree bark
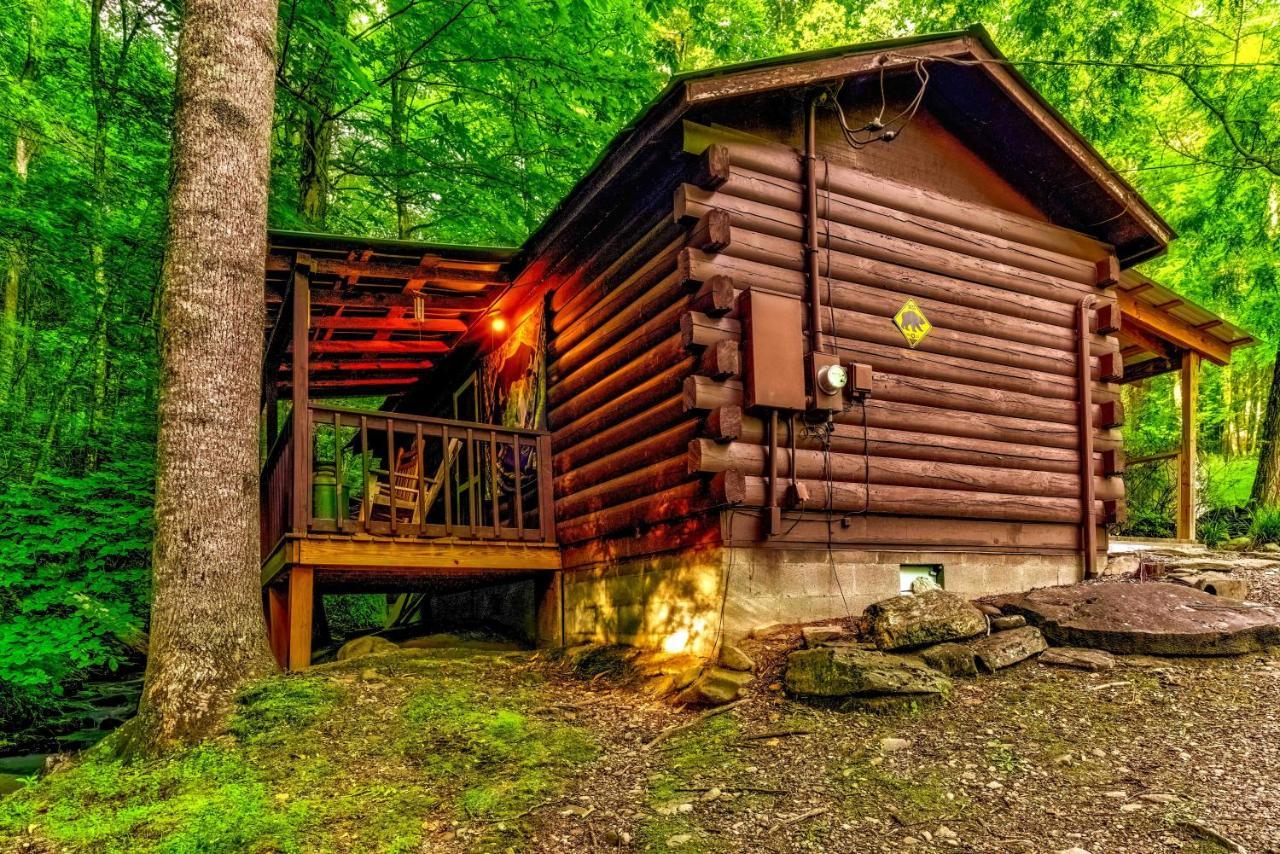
207,630
1266,485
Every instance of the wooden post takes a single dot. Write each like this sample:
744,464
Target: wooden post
278,623
301,591
1187,453
300,298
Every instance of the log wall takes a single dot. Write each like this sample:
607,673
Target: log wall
978,425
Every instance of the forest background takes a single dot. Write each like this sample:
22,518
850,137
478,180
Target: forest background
466,121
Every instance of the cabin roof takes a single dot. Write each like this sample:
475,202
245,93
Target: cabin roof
971,86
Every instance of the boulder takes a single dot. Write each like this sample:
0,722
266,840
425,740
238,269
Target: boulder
924,584
1095,660
1122,564
907,622
847,671
367,645
1006,648
950,659
1154,619
815,636
733,658
1003,624
715,687
1222,585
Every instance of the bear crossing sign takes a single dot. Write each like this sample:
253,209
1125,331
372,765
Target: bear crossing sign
912,323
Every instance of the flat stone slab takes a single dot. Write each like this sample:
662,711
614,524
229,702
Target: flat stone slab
1153,619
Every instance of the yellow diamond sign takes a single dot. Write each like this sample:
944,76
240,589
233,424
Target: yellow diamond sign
912,323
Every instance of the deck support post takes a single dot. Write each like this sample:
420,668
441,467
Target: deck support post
549,601
301,592
1186,512
277,605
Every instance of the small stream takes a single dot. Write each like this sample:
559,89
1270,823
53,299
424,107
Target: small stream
81,720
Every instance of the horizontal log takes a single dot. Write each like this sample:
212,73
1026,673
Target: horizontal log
379,347
657,445
624,377
464,277
716,297
903,533
699,330
617,434
781,202
987,335
913,444
644,396
703,394
653,319
606,553
720,361
919,501
784,162
707,456
654,478
685,500
839,263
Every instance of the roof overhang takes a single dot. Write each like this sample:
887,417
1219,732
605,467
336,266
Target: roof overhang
1159,327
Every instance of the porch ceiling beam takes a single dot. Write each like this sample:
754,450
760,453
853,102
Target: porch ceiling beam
466,279
406,348
1180,333
391,324
374,364
326,296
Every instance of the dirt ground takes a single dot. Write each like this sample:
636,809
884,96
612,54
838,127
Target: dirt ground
460,750
1155,755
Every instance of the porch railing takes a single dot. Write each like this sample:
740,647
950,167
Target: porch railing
407,476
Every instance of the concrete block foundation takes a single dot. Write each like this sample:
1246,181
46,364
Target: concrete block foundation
684,602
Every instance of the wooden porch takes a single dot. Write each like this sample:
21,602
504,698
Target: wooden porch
370,500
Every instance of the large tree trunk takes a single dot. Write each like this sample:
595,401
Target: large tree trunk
207,629
1266,486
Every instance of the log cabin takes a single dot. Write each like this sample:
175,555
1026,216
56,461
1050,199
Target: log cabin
809,328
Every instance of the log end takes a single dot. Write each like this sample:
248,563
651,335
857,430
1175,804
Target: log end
729,487
724,423
713,167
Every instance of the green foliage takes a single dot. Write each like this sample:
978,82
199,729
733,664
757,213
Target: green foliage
74,554
353,613
1213,531
1266,525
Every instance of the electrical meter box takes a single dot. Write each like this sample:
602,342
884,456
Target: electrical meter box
773,347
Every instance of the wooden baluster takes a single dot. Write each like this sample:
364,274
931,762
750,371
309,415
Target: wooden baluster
446,489
340,506
366,508
472,483
493,483
422,477
391,473
519,489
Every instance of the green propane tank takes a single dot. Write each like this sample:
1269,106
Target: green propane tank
324,492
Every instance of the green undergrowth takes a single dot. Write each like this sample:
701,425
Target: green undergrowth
376,754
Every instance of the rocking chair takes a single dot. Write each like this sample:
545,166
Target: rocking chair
397,491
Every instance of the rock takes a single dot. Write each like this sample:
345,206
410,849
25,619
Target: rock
1006,648
1122,564
1153,618
765,630
848,672
906,622
1095,660
733,658
815,636
951,659
923,584
1072,851
1222,585
1003,624
1269,547
1237,544
679,839
1130,807
988,609
367,645
715,687
893,745
1158,798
